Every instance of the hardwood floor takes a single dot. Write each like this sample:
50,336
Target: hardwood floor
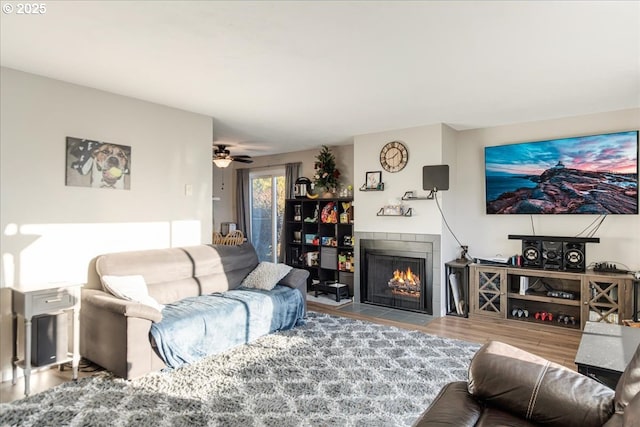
556,344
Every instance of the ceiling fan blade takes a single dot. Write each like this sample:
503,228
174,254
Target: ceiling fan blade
222,152
242,160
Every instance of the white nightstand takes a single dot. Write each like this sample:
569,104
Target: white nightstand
30,301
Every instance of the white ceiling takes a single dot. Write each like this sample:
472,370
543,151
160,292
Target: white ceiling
287,76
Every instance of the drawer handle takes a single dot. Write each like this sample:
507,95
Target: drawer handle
53,300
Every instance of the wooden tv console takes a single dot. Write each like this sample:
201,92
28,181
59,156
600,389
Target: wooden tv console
495,292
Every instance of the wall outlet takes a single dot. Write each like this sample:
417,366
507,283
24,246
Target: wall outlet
188,190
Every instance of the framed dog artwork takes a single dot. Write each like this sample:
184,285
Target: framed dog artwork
98,164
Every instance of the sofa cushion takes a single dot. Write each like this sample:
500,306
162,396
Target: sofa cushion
632,412
453,406
492,417
175,273
131,288
295,278
200,326
537,390
266,275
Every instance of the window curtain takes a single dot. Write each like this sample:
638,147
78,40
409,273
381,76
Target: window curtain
242,202
291,174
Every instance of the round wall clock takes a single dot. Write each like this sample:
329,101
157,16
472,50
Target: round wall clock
394,156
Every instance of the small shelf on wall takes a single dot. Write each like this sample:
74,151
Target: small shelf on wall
407,212
408,195
380,187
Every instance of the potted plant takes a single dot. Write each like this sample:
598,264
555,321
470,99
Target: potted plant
326,173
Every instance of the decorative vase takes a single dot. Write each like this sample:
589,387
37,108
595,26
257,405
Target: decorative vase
328,195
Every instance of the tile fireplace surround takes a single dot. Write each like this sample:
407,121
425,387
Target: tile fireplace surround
403,237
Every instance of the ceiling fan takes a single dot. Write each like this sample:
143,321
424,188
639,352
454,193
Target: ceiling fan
223,158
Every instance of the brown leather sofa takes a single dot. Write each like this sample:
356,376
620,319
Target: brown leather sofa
511,387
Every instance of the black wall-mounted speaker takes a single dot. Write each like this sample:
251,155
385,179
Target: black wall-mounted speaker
532,253
574,256
552,258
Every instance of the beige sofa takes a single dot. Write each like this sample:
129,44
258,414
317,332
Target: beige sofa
115,332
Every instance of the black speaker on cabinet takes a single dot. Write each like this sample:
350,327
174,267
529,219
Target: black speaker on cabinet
555,253
552,258
531,253
574,256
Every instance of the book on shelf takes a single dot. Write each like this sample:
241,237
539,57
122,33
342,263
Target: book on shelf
455,291
524,285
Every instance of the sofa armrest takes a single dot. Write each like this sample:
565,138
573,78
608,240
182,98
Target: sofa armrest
453,406
537,390
96,299
295,278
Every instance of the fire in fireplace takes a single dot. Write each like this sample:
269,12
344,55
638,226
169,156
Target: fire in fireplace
397,274
405,283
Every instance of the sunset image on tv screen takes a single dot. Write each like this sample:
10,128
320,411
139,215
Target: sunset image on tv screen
595,174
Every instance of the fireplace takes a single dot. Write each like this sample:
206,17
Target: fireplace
397,274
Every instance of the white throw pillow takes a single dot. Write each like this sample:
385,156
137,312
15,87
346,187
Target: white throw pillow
266,275
131,288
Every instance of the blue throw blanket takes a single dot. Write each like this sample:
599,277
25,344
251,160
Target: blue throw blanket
208,324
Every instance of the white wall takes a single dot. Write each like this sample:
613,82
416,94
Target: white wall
50,231
451,206
427,145
487,234
424,145
224,196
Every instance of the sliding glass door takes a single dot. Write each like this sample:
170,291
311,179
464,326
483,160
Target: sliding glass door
267,212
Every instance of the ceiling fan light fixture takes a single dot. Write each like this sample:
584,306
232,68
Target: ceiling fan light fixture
222,162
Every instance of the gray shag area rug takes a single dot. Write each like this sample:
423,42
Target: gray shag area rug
331,372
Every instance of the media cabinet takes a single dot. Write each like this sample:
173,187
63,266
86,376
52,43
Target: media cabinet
495,292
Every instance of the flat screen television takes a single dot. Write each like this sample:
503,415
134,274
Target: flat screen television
596,174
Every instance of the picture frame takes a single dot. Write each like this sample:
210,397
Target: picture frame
97,164
373,180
